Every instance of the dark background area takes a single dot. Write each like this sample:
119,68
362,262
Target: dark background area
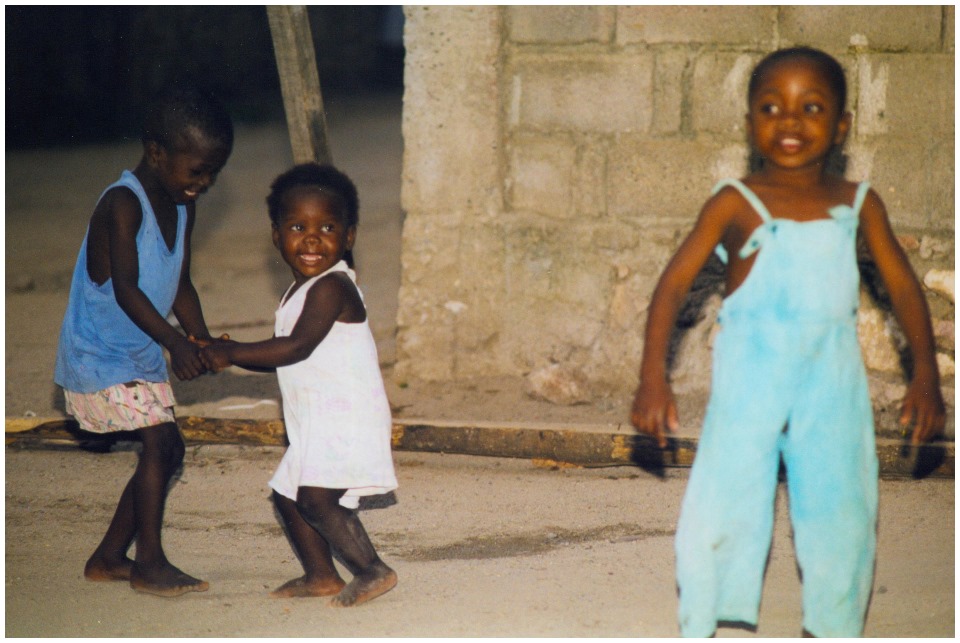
79,74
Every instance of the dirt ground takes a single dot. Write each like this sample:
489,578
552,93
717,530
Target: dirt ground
484,547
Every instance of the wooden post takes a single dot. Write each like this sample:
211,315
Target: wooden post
300,83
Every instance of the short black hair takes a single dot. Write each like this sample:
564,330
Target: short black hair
827,64
181,106
323,177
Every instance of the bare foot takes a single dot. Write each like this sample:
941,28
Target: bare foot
364,588
165,580
99,569
302,588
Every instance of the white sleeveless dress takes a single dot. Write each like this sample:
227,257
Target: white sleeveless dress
335,409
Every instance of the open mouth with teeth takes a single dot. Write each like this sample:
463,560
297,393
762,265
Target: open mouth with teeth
310,259
790,144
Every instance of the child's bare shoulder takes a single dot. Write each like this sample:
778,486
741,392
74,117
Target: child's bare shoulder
844,191
118,206
119,200
728,207
337,289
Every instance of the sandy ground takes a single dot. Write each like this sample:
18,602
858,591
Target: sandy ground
484,547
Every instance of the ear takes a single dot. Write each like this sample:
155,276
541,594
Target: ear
843,128
748,126
276,236
351,237
154,152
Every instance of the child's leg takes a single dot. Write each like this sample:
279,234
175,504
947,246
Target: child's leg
726,520
832,479
321,577
341,528
110,561
160,457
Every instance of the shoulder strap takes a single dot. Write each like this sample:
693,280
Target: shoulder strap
858,200
748,194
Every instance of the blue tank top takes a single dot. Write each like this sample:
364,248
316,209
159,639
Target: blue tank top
100,346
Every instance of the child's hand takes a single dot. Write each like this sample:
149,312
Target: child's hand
655,411
185,360
923,408
215,355
206,341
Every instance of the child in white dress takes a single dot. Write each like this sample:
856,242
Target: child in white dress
335,408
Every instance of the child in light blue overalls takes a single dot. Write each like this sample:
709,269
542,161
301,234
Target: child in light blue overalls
788,377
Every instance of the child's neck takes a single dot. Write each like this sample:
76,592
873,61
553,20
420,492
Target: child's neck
151,185
804,177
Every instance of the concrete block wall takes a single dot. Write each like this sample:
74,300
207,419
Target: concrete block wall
555,156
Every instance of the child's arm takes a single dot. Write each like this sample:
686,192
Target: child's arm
331,299
123,217
654,408
923,404
186,305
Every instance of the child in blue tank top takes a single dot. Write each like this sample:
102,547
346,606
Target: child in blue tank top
788,377
132,271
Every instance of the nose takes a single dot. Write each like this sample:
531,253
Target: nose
789,121
207,181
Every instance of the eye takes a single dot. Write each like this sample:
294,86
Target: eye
770,109
813,108
296,227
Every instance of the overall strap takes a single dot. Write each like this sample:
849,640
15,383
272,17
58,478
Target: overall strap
756,239
849,215
748,194
858,200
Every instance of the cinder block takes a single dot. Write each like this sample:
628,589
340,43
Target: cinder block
590,178
558,290
876,28
902,172
897,96
560,25
585,93
451,137
425,351
949,29
741,25
654,245
431,244
480,296
425,330
719,95
653,180
542,171
670,71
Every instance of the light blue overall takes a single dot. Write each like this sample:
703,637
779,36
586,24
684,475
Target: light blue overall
788,380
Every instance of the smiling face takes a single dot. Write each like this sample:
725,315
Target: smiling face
189,168
312,234
795,116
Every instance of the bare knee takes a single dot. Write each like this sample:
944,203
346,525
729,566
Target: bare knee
164,443
317,505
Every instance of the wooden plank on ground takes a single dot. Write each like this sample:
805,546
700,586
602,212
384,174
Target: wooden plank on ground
554,443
